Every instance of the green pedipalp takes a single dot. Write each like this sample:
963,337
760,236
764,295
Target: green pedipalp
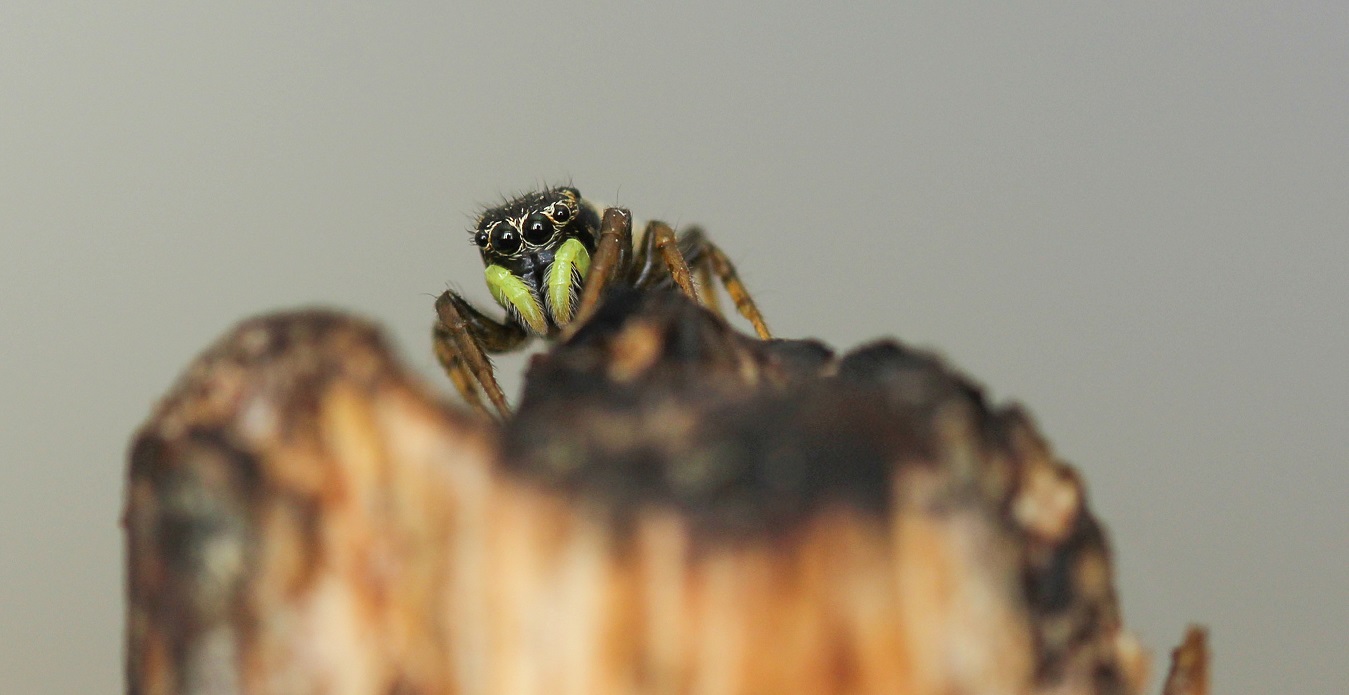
512,292
570,264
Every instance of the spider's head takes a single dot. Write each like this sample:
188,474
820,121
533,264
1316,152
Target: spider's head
537,250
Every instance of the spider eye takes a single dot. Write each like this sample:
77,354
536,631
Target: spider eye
562,213
537,228
505,240
480,239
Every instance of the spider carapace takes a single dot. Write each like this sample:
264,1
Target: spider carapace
549,256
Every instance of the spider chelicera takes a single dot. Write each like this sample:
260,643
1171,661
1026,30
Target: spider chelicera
550,255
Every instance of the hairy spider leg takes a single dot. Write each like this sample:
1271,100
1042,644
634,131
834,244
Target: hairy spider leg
707,259
615,259
694,250
447,353
463,336
612,259
706,289
660,259
660,239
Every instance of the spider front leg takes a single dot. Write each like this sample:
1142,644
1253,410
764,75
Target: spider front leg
612,260
463,336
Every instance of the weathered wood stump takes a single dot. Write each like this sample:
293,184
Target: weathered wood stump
675,508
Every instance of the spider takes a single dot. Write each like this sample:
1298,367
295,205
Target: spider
550,255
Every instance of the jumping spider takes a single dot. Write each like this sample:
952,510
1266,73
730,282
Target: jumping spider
550,255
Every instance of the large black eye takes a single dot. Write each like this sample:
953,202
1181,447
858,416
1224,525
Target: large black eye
480,238
505,240
562,213
538,229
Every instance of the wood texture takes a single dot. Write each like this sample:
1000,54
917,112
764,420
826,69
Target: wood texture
675,508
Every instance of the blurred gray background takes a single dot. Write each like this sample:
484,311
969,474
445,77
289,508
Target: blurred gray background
1133,219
